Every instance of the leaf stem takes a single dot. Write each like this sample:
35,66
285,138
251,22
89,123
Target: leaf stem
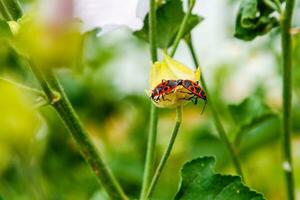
286,21
217,121
150,154
182,27
34,91
167,152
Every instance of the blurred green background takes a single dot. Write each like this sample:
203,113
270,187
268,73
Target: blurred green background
39,159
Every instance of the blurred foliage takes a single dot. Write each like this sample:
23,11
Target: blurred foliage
46,43
39,160
12,5
4,30
255,18
169,18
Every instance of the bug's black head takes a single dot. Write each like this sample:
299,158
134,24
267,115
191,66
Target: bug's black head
179,82
204,105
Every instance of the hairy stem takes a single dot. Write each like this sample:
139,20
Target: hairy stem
216,118
286,21
50,84
150,154
167,152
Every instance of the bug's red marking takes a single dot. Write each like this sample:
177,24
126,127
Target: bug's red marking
194,89
165,87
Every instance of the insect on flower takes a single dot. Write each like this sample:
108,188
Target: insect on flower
195,90
164,88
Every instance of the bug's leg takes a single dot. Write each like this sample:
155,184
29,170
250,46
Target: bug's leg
183,99
157,98
172,91
204,106
185,92
163,97
196,101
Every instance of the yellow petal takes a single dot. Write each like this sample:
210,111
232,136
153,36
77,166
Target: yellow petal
179,70
170,69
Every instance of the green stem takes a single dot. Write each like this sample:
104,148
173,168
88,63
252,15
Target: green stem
167,152
150,154
286,41
217,121
65,110
182,27
178,111
149,164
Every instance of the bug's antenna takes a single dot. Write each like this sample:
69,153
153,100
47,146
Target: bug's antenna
204,107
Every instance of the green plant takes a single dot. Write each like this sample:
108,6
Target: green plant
165,26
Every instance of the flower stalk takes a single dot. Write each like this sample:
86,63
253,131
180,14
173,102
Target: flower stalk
167,152
150,154
217,121
286,42
169,147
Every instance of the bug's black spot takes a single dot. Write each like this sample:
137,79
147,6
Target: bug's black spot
166,88
186,83
159,89
198,89
172,83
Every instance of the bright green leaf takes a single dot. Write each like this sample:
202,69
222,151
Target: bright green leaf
254,18
169,18
199,181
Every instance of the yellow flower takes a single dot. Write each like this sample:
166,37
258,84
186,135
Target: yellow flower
170,69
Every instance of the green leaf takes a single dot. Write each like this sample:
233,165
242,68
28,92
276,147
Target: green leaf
5,31
169,18
10,10
250,114
199,181
254,18
250,111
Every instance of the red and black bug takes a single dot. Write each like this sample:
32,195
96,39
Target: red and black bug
194,89
165,87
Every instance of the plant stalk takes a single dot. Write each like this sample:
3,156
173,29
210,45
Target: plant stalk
150,154
182,27
219,126
286,42
51,85
167,152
